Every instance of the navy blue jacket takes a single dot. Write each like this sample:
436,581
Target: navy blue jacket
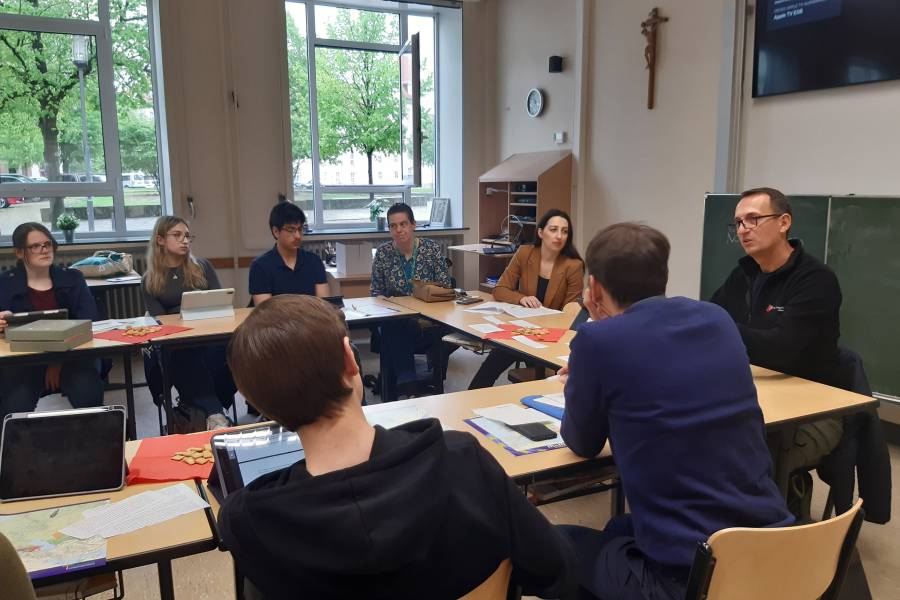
668,382
72,292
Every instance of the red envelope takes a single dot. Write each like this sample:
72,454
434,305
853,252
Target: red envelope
118,335
153,460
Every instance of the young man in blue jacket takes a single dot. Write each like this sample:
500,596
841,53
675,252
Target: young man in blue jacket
667,382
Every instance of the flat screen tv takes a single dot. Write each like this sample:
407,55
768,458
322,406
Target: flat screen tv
814,44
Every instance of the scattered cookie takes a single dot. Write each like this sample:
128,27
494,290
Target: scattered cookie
189,460
535,331
178,457
201,461
142,331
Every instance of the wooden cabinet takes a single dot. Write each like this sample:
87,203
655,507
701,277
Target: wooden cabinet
512,196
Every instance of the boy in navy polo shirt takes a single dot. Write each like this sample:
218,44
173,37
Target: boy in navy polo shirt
286,269
668,383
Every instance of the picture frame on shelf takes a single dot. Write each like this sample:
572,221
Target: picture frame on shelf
440,212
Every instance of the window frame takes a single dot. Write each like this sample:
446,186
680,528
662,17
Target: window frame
313,41
100,29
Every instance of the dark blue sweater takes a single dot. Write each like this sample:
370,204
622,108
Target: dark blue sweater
668,383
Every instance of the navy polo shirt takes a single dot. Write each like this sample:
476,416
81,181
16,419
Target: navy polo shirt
270,275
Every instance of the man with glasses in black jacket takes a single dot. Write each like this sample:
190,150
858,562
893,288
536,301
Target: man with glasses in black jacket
786,304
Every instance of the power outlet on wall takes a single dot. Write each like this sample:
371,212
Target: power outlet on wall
559,137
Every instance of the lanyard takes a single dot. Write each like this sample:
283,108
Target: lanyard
409,266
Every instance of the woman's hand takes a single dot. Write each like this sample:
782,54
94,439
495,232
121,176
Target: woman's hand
530,302
3,315
51,378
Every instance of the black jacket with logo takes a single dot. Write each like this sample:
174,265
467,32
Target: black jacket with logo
793,324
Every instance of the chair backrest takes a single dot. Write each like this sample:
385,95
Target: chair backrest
495,587
14,577
805,561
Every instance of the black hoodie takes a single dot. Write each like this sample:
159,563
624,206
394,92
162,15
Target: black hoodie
789,319
431,514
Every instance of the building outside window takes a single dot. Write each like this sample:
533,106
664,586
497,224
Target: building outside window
80,116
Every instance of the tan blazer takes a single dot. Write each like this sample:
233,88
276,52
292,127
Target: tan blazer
520,279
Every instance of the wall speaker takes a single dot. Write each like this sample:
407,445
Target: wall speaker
556,64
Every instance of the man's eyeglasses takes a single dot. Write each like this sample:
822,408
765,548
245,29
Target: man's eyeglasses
292,230
40,248
181,236
751,222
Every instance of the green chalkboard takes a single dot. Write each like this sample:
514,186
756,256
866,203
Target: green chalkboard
721,248
864,251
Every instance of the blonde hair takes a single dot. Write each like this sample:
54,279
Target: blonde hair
157,269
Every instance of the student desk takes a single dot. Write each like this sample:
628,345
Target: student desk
455,316
96,348
211,331
158,544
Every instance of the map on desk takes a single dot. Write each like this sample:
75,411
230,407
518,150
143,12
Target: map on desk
43,549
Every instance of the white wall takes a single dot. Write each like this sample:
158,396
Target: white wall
529,33
654,165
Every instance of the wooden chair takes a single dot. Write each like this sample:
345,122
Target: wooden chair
15,581
804,562
496,587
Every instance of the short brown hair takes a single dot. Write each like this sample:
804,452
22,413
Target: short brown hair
777,199
287,359
630,260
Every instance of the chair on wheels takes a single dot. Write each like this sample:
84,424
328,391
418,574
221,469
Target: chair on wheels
803,562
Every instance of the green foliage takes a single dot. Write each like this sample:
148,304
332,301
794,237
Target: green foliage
378,206
137,142
67,221
358,92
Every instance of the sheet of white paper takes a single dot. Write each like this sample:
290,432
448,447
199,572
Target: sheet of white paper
124,279
137,512
372,310
352,314
521,312
564,358
512,414
558,400
491,308
528,342
392,417
516,440
485,328
524,323
493,320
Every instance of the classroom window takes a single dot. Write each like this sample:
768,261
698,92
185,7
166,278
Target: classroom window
347,126
79,126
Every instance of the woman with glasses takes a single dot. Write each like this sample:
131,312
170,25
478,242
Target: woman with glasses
37,284
201,376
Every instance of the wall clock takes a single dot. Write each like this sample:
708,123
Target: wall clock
534,102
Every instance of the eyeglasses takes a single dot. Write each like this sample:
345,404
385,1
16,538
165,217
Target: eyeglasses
181,236
40,248
291,230
751,222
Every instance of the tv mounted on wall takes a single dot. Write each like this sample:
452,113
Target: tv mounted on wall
814,44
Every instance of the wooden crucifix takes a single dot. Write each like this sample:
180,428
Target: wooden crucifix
648,29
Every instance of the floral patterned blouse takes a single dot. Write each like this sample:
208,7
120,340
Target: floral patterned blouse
391,271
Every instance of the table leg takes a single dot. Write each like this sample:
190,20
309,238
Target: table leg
779,443
166,584
130,423
167,390
617,501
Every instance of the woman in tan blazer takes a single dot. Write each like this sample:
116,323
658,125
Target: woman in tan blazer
548,273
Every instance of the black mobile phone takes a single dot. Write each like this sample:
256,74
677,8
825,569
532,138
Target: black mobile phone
468,300
536,432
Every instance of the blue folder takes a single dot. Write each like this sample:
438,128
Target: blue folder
548,409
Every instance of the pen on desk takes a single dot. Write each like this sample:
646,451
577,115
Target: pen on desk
54,513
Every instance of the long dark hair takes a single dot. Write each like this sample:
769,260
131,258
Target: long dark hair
567,250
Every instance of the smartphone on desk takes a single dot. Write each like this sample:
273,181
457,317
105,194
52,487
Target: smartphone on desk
468,300
536,432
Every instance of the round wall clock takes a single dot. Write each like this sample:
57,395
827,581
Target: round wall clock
534,102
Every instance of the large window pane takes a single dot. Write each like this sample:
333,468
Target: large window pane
352,25
358,107
135,107
298,89
50,128
68,9
424,26
342,208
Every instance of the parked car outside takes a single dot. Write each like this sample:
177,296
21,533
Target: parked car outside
7,201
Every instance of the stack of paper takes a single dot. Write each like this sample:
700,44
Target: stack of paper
111,324
511,414
137,512
392,417
520,312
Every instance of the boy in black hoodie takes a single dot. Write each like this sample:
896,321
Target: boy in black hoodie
411,512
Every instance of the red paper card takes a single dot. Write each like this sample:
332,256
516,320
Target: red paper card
153,460
553,335
118,335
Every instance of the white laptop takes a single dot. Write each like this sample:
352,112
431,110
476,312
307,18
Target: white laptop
207,304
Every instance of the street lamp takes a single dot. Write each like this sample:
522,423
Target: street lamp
81,58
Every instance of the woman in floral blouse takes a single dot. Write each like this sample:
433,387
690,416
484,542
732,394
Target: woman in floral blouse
397,263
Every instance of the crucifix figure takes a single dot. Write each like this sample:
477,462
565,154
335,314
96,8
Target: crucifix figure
648,29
